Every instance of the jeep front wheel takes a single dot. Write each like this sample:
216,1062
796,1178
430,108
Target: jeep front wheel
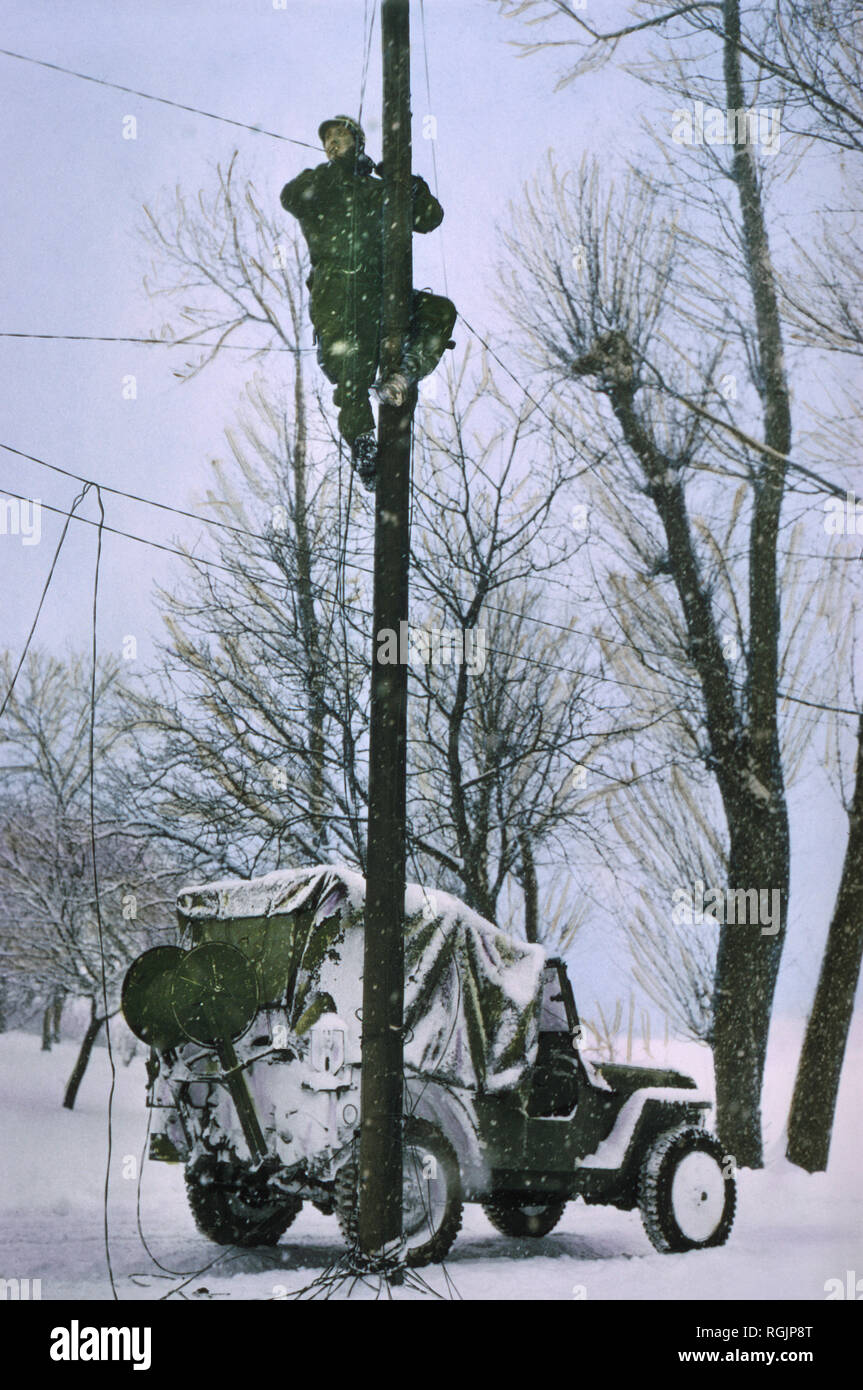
686,1196
518,1218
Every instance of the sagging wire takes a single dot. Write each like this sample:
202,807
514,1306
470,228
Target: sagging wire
518,656
179,1273
186,1275
81,495
91,752
344,522
152,342
148,96
368,53
348,780
441,234
329,593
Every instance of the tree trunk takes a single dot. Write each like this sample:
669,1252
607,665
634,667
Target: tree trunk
57,1016
83,1058
311,637
529,888
46,1027
813,1104
746,966
745,760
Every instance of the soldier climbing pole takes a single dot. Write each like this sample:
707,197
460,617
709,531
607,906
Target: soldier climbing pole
380,1217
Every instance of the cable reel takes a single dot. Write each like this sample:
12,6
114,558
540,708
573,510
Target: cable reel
209,996
146,998
214,994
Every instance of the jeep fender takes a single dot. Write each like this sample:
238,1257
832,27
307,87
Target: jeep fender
641,1117
451,1110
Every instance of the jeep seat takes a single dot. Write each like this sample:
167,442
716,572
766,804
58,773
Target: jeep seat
556,1077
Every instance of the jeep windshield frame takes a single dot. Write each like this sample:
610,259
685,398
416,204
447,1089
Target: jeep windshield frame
565,995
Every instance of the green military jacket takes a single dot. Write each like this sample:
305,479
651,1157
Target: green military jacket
340,211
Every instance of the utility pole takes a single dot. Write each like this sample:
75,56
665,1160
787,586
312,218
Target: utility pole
380,1212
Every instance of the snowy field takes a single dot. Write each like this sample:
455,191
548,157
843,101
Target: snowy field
793,1232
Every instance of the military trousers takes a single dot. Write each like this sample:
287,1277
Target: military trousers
346,315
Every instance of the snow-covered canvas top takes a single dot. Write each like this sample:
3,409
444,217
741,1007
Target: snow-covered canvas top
275,894
472,992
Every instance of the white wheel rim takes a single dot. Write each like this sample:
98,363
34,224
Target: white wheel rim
698,1195
424,1195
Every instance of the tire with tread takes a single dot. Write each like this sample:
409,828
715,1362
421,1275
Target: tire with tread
515,1217
656,1196
429,1139
232,1206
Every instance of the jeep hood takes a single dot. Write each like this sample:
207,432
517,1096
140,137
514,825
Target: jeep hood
626,1078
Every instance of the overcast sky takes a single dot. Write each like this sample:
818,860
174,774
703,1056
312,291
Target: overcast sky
72,259
72,252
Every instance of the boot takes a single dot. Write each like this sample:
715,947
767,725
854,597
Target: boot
396,389
364,457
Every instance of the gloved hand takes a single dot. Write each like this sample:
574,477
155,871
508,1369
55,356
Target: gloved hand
416,179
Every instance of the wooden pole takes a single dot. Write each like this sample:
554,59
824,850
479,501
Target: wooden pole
380,1212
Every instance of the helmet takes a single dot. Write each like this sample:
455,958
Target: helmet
349,124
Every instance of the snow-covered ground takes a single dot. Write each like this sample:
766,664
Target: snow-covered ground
793,1232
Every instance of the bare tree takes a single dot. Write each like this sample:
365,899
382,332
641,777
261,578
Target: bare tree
274,778
808,54
224,265
267,695
606,334
667,825
255,722
58,934
816,1086
562,907
671,831
234,760
813,1105
812,62
494,742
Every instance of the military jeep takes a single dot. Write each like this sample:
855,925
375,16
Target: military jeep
254,1025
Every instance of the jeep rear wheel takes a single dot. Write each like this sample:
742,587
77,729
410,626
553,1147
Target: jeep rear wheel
431,1195
233,1206
687,1199
515,1217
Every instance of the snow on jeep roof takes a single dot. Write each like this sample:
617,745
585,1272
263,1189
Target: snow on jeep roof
471,990
285,890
